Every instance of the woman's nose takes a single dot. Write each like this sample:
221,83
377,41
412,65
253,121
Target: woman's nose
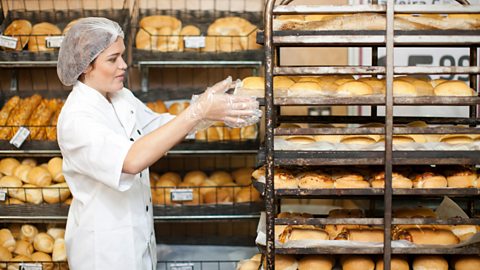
123,64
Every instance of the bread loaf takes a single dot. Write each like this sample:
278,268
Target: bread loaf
195,178
283,262
40,31
354,88
361,235
217,196
461,178
466,262
453,88
319,262
429,180
55,169
28,232
39,119
4,115
377,85
243,176
56,193
13,185
233,34
178,107
396,263
313,180
357,139
39,176
31,194
159,33
6,240
21,172
464,232
59,253
403,88
43,242
357,262
456,139
302,232
44,258
247,194
20,29
284,180
429,262
426,236
221,177
8,165
23,247
56,232
5,256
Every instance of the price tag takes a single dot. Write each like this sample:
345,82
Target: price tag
20,137
30,266
3,195
194,42
8,42
54,42
181,266
181,195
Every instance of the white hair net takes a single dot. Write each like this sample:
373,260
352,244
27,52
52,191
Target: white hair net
82,44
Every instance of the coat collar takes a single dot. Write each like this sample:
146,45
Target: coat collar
126,112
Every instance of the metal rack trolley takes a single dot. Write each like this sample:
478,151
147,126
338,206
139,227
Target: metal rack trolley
390,39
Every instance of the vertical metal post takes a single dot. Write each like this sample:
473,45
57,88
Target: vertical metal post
373,109
269,125
387,246
473,79
14,81
144,74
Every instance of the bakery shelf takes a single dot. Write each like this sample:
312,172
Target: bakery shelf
311,9
370,192
347,38
60,18
309,158
364,70
375,221
363,130
375,100
208,212
34,265
211,265
32,212
474,249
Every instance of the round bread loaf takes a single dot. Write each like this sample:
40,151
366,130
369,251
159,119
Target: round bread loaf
429,262
247,194
313,180
299,87
436,82
40,31
21,172
357,262
354,88
55,169
217,196
188,30
232,34
453,88
56,233
43,242
172,176
221,177
396,263
8,165
467,262
23,247
194,178
6,240
253,82
59,253
56,193
159,33
20,29
243,176
178,107
429,180
29,161
403,88
319,262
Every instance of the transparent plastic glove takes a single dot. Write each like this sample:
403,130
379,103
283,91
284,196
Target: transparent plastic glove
216,105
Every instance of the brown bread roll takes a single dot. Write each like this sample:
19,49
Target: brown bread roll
23,247
221,177
429,262
28,232
21,172
320,262
20,29
59,253
195,178
396,263
56,232
55,169
40,31
39,176
44,258
247,194
31,194
357,262
243,176
6,240
56,193
466,262
8,165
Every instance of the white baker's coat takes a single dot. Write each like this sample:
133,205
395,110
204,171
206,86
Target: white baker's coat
110,221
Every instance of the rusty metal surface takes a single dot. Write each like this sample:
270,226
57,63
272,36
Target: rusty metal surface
363,130
365,70
306,9
380,119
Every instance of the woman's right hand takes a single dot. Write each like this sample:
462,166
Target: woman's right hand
215,105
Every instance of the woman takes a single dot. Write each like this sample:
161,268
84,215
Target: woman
108,139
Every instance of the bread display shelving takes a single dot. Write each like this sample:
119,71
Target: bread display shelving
329,33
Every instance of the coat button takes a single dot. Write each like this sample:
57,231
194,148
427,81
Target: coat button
139,133
131,111
131,139
146,208
140,174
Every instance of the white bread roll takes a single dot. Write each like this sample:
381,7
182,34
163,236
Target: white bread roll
13,185
467,262
5,256
354,88
300,139
55,169
43,242
56,193
6,240
8,165
23,247
282,82
28,232
377,85
398,181
429,262
456,139
56,232
357,262
319,262
59,253
247,194
39,176
29,161
299,88
33,194
396,263
453,88
243,176
429,180
44,258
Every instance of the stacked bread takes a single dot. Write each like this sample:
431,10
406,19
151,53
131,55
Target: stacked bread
220,132
25,182
374,21
402,177
166,34
26,243
349,86
38,114
220,187
34,36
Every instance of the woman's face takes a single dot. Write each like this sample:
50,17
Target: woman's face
107,72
